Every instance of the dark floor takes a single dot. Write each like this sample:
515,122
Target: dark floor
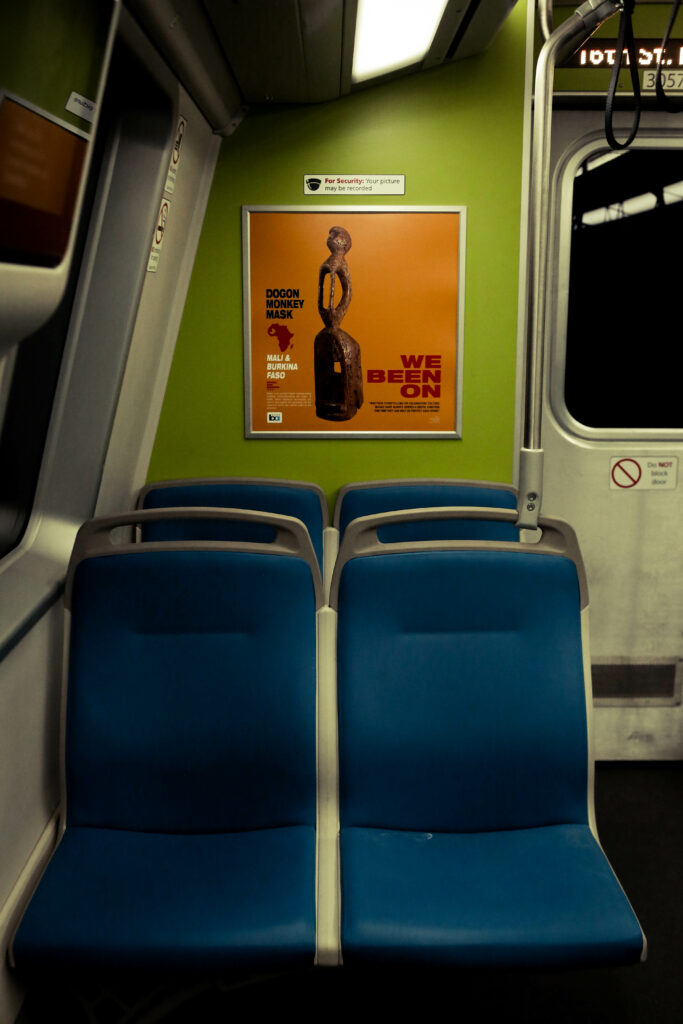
640,819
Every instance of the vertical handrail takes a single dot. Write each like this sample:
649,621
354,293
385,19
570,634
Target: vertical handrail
563,41
545,18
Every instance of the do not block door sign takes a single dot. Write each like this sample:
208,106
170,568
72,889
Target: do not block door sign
159,233
644,472
174,162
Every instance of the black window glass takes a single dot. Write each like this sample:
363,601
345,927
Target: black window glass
625,279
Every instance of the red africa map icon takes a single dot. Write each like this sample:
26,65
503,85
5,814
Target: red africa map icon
283,335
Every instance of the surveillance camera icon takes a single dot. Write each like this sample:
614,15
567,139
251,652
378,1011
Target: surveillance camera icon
313,183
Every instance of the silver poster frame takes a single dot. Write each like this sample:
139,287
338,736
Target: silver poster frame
250,432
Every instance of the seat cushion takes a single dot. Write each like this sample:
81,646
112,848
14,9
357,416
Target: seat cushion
529,897
461,692
191,695
119,899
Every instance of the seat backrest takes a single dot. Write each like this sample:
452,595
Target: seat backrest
370,498
192,680
461,690
304,501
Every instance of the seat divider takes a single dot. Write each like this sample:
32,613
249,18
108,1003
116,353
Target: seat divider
328,883
330,552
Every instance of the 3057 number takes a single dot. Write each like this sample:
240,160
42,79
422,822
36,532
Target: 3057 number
672,81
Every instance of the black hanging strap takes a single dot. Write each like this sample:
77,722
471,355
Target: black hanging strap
625,42
665,102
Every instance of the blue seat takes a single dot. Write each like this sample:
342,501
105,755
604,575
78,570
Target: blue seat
189,840
370,498
284,497
466,808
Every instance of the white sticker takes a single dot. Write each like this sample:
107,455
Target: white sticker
649,472
355,184
159,232
81,105
672,81
172,174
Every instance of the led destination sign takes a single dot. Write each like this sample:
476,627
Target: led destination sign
602,53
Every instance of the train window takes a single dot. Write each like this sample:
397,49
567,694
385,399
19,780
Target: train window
53,60
624,276
37,207
28,382
54,428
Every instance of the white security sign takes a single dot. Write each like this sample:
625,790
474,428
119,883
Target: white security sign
644,472
354,184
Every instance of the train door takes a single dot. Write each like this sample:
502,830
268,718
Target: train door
613,416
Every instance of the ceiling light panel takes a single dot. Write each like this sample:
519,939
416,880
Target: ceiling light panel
393,34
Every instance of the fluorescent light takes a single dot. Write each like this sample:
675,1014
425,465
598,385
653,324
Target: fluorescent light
636,204
392,34
673,193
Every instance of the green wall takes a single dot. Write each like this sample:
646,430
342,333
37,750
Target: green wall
456,133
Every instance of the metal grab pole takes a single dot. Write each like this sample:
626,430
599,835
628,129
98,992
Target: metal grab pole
563,41
545,17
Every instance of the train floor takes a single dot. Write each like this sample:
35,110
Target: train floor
639,810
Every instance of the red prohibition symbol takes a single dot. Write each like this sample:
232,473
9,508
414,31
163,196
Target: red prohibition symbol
626,472
178,141
161,223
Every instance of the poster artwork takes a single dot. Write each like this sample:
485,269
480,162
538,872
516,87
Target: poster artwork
397,374
338,373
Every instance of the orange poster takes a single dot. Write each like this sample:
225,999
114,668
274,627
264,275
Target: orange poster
353,321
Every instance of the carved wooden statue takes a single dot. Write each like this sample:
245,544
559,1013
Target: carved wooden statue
338,374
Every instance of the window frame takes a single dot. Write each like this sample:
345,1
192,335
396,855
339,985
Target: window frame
96,349
558,278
